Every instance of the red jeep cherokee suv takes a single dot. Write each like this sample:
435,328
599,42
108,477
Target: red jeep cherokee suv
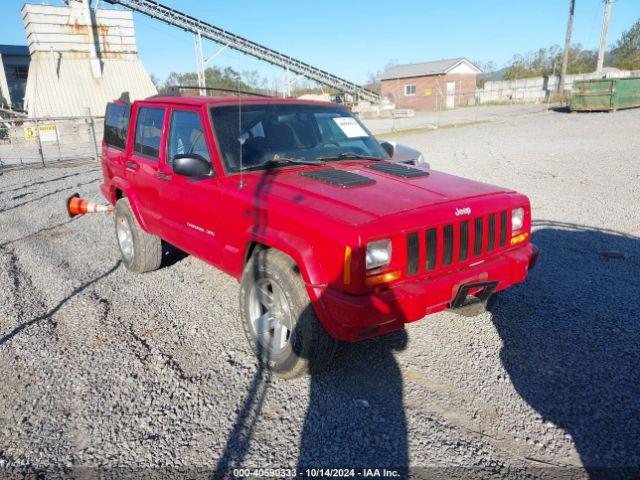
330,240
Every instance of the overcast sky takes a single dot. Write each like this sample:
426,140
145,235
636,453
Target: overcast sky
354,38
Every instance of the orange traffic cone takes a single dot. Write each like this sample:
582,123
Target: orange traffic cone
80,206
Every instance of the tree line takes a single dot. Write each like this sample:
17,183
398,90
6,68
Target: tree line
223,78
230,79
624,55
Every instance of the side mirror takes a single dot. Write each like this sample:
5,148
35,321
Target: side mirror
403,154
388,147
192,165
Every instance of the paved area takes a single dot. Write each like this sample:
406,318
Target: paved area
459,116
152,375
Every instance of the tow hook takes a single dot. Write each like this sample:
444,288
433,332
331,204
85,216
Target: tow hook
534,257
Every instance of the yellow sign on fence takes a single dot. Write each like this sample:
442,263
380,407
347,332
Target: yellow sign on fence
29,133
48,133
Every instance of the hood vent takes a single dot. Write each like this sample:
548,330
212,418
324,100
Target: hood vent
397,170
339,178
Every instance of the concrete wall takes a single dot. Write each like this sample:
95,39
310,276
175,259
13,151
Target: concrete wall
431,91
79,62
69,30
537,89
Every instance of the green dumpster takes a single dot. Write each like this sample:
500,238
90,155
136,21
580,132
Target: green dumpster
605,94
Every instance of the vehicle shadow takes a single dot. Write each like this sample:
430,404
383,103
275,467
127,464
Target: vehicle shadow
356,417
171,255
570,341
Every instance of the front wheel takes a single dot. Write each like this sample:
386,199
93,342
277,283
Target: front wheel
278,318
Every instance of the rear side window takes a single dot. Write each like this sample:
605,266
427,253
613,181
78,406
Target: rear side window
116,125
149,131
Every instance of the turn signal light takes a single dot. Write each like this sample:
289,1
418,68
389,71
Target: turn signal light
382,278
519,238
346,271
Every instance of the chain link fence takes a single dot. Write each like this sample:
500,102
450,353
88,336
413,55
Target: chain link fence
28,142
459,107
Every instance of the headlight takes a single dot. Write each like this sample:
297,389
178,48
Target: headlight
378,254
517,219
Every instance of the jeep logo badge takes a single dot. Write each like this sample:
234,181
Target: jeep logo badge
463,211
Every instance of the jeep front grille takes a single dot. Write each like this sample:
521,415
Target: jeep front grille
464,241
491,237
477,237
413,253
504,218
456,243
432,248
447,257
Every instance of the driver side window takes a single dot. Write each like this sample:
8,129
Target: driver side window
186,135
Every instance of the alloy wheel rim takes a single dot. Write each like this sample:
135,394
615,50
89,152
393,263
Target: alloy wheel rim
125,238
270,315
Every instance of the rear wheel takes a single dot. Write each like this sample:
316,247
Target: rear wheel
141,252
278,318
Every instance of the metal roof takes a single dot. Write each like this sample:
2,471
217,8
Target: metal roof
437,67
22,50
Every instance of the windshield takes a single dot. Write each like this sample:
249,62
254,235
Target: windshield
273,135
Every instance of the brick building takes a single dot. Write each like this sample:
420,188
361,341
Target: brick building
438,85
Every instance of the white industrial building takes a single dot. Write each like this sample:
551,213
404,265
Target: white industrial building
81,58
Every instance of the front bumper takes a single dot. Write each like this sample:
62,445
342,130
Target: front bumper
356,317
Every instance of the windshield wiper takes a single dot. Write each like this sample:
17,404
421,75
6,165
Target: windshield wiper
348,155
281,160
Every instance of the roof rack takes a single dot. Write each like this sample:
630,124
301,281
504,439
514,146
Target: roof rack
174,90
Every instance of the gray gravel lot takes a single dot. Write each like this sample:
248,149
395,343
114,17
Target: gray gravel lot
104,368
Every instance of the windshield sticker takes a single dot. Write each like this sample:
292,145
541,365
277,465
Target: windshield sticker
350,127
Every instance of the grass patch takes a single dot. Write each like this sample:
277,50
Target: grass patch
412,131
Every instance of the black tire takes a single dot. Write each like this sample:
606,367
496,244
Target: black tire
147,248
310,348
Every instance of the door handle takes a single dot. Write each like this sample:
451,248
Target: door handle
163,176
131,165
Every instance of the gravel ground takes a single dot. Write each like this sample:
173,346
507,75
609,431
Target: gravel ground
152,375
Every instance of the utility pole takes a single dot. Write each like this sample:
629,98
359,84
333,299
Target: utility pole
567,46
603,34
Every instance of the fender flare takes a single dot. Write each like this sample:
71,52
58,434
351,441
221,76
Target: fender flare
127,191
293,246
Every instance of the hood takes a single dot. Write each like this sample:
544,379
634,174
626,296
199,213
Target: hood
386,195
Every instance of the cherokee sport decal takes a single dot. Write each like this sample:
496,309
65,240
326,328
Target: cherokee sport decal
200,229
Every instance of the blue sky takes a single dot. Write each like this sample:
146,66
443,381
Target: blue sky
354,38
